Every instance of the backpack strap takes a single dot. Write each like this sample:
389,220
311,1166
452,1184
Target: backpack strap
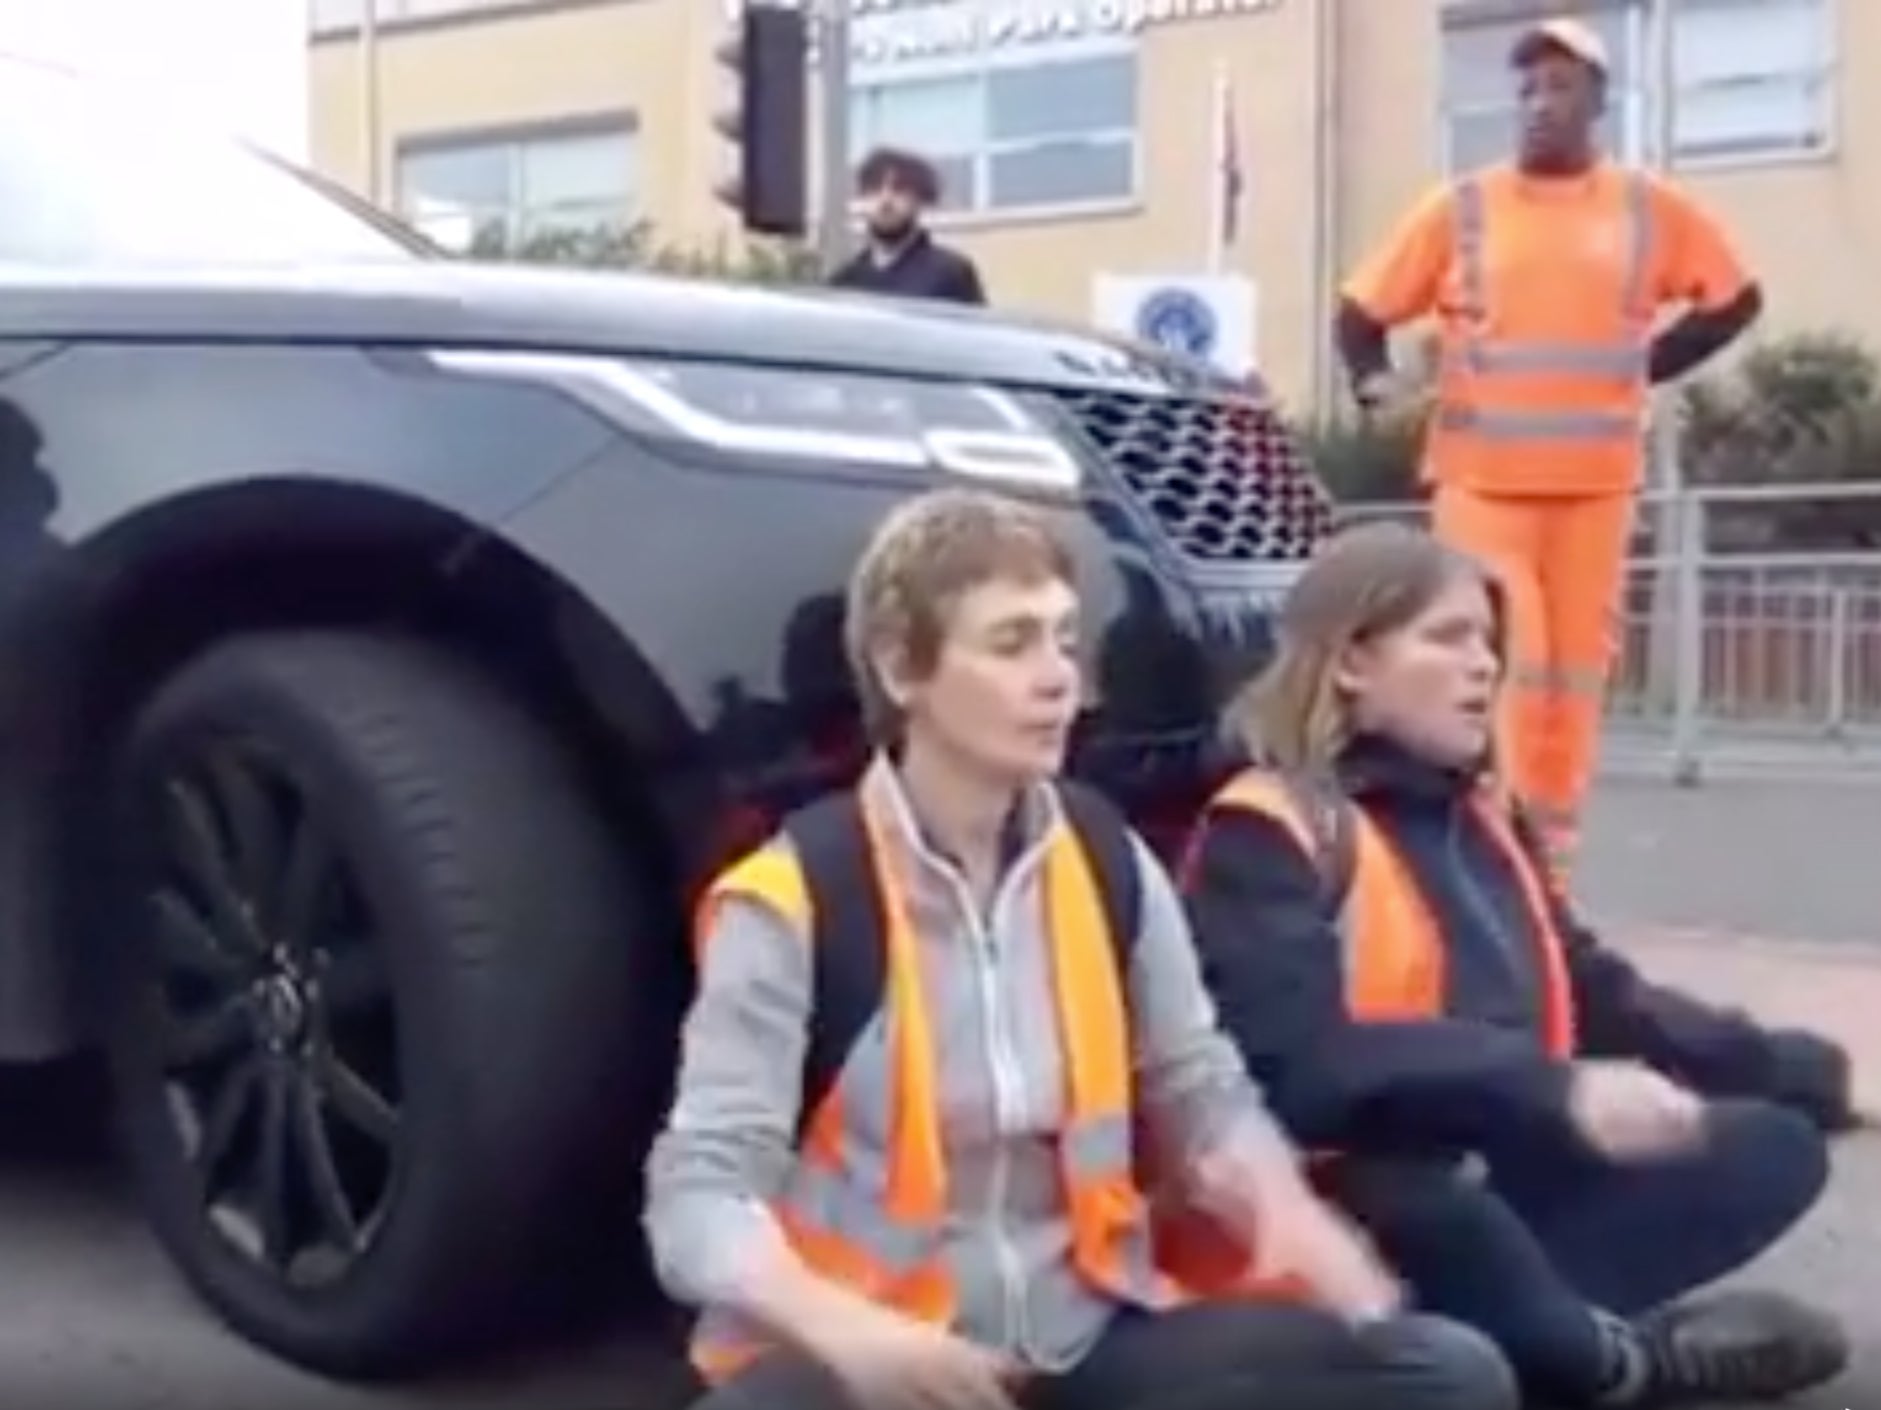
848,963
1105,835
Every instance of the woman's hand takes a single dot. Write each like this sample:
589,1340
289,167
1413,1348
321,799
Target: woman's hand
1628,1112
1813,1075
1293,1233
1303,1237
890,1362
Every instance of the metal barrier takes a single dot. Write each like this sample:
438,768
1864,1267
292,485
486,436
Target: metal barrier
1730,653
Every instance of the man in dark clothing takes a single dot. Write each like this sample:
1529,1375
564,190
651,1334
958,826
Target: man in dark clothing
901,257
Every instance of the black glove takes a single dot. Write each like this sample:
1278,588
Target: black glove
1812,1075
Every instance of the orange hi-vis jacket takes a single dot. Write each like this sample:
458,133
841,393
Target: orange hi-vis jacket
872,1220
1546,292
1395,956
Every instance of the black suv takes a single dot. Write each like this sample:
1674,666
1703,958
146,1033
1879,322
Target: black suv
392,644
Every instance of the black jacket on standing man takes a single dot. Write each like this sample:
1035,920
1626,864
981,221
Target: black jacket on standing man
920,269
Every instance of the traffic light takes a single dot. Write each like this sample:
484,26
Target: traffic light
769,52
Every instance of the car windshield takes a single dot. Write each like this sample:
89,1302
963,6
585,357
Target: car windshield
88,179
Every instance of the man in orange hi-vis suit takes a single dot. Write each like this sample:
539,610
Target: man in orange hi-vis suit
1546,277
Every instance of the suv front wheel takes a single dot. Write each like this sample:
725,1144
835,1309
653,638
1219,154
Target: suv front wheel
375,1017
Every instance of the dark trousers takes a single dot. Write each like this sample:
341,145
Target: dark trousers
1222,1356
1525,1254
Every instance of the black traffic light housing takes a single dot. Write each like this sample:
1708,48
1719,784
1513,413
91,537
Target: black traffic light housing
769,52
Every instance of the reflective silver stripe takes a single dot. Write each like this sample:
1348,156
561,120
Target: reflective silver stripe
1483,356
1097,1148
1637,308
1561,680
1103,1148
1346,924
867,1103
1615,362
1558,832
1471,228
1141,1280
849,1200
1540,425
829,1203
1549,816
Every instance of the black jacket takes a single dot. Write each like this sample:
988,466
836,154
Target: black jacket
922,270
1479,1076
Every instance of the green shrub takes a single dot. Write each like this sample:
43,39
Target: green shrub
638,247
1363,461
1773,414
1800,410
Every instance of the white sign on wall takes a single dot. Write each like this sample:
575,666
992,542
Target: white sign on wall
895,31
1210,317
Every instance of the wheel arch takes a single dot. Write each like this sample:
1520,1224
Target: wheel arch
161,585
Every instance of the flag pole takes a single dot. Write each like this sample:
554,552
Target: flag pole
1217,253
371,120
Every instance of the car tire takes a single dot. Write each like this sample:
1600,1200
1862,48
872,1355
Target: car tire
458,1007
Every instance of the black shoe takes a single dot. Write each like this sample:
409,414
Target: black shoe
1737,1347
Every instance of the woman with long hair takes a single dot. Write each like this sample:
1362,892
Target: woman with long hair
1545,1144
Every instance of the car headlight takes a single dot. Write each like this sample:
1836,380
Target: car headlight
832,418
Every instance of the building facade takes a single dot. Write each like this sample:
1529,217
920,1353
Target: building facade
1079,137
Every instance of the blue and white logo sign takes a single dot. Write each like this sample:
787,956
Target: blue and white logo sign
1181,320
1209,317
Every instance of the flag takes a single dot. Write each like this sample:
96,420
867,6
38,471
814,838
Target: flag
1228,172
1226,180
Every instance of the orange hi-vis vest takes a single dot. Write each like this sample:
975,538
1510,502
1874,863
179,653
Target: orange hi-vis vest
873,1221
1396,959
1548,320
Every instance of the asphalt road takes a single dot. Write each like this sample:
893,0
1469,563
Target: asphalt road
1744,856
97,1317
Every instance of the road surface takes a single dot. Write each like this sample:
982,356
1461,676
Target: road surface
1745,856
97,1318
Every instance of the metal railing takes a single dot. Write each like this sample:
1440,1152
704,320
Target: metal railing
1732,653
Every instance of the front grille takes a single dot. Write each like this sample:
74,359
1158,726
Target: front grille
1224,480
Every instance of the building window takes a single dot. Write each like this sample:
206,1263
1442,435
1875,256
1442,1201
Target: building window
509,188
1754,78
944,119
1013,135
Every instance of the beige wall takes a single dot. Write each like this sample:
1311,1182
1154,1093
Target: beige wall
1811,228
651,57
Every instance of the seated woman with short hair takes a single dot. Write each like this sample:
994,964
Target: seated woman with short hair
1543,1143
898,1170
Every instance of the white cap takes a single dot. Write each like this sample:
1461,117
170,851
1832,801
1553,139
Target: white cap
1562,35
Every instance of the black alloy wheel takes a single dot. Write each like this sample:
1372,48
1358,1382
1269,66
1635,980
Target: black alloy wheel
389,1023
281,1054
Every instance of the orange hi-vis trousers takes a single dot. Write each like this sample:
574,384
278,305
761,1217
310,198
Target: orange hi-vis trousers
1562,563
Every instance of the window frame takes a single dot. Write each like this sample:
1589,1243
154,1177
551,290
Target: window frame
1633,94
396,15
1823,79
977,69
514,140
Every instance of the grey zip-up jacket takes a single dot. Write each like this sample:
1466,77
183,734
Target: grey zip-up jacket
728,1145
